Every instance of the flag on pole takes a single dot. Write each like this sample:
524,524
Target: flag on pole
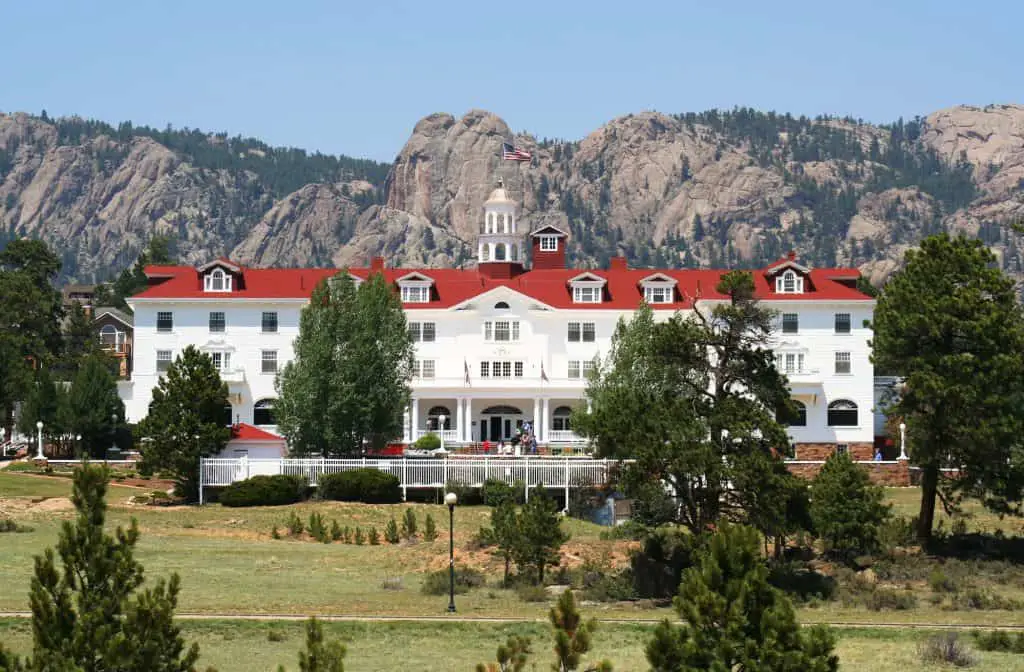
543,376
465,365
510,152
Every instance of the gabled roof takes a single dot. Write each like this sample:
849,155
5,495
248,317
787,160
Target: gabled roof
587,276
549,230
414,276
658,277
245,432
124,318
788,261
222,262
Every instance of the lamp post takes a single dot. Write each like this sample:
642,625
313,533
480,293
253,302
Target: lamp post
440,430
113,434
450,499
903,440
78,445
39,430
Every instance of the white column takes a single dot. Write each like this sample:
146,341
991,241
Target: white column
468,416
405,426
460,430
536,417
547,420
590,406
415,418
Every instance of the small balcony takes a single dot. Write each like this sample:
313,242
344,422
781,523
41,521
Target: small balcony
233,376
803,375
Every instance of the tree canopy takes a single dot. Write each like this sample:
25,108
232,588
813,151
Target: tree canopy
349,380
951,324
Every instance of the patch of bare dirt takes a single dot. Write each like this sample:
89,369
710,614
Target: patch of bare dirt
23,505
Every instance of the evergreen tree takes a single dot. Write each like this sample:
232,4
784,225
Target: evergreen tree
185,420
573,635
79,341
131,281
46,401
734,621
505,532
349,381
90,614
512,656
95,409
950,322
320,656
847,509
540,535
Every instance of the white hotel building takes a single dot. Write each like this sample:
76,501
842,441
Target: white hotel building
502,343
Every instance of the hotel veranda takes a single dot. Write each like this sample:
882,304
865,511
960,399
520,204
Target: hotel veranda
506,342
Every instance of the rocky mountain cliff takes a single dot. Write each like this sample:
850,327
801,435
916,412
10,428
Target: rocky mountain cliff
711,189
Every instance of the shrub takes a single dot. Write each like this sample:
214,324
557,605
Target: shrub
468,496
336,533
8,525
265,491
437,583
847,509
368,486
897,532
359,537
428,442
800,582
601,587
888,598
945,648
391,583
940,583
391,532
659,563
374,537
317,529
528,592
274,534
1000,640
497,491
981,600
295,525
429,528
275,636
409,524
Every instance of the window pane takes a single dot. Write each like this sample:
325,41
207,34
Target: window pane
163,360
485,369
790,323
414,331
515,331
501,331
217,321
428,368
488,331
574,368
588,332
429,332
269,361
164,321
842,323
843,362
574,331
506,369
270,322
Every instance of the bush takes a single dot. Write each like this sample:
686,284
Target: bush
940,583
1000,640
847,509
945,648
358,539
409,524
391,532
658,565
881,599
428,442
317,529
429,528
437,583
368,486
274,534
468,496
800,582
601,587
275,636
391,583
528,592
335,531
496,491
374,537
265,491
295,525
8,525
981,600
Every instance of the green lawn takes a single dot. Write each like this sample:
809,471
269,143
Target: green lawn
24,485
243,646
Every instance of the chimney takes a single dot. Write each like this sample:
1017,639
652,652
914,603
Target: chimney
618,264
376,264
791,255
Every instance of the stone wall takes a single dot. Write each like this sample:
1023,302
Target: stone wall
823,451
895,474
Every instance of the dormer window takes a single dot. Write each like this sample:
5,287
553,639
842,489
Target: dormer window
657,294
548,243
586,294
415,294
789,283
217,281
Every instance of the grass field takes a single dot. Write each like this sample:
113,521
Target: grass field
241,646
229,564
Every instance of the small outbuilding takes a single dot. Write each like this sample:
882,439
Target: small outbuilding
254,443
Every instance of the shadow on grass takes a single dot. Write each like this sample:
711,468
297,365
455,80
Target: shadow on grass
978,546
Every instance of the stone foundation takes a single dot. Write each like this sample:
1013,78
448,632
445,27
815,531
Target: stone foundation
895,474
822,451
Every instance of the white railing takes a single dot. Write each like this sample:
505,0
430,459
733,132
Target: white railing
450,435
564,473
564,436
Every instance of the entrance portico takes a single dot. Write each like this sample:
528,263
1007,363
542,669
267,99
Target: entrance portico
492,417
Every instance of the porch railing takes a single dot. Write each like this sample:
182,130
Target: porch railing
565,473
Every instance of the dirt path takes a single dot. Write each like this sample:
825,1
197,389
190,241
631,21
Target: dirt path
500,619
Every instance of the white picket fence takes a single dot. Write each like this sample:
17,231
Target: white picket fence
565,473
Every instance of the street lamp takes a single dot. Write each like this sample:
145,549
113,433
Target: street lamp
113,436
450,499
78,444
903,440
440,430
39,429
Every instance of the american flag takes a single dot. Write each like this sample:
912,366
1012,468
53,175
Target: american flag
465,364
543,376
512,153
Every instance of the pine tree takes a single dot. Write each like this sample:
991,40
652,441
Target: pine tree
734,620
320,656
847,509
91,614
95,409
540,536
349,381
573,635
429,529
45,401
185,420
409,524
951,323
505,530
79,340
511,656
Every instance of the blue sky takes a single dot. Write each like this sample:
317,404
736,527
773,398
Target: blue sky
351,78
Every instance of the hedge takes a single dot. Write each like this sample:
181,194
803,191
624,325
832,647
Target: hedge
368,486
265,491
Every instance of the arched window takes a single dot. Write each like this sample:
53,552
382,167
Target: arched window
485,252
842,413
229,415
217,281
263,412
499,252
515,253
799,418
434,415
501,305
560,418
501,410
110,337
789,283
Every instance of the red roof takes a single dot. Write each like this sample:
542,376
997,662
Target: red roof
244,432
451,287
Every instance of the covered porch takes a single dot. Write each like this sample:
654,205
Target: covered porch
469,420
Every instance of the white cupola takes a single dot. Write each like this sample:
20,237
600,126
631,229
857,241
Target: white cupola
499,241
